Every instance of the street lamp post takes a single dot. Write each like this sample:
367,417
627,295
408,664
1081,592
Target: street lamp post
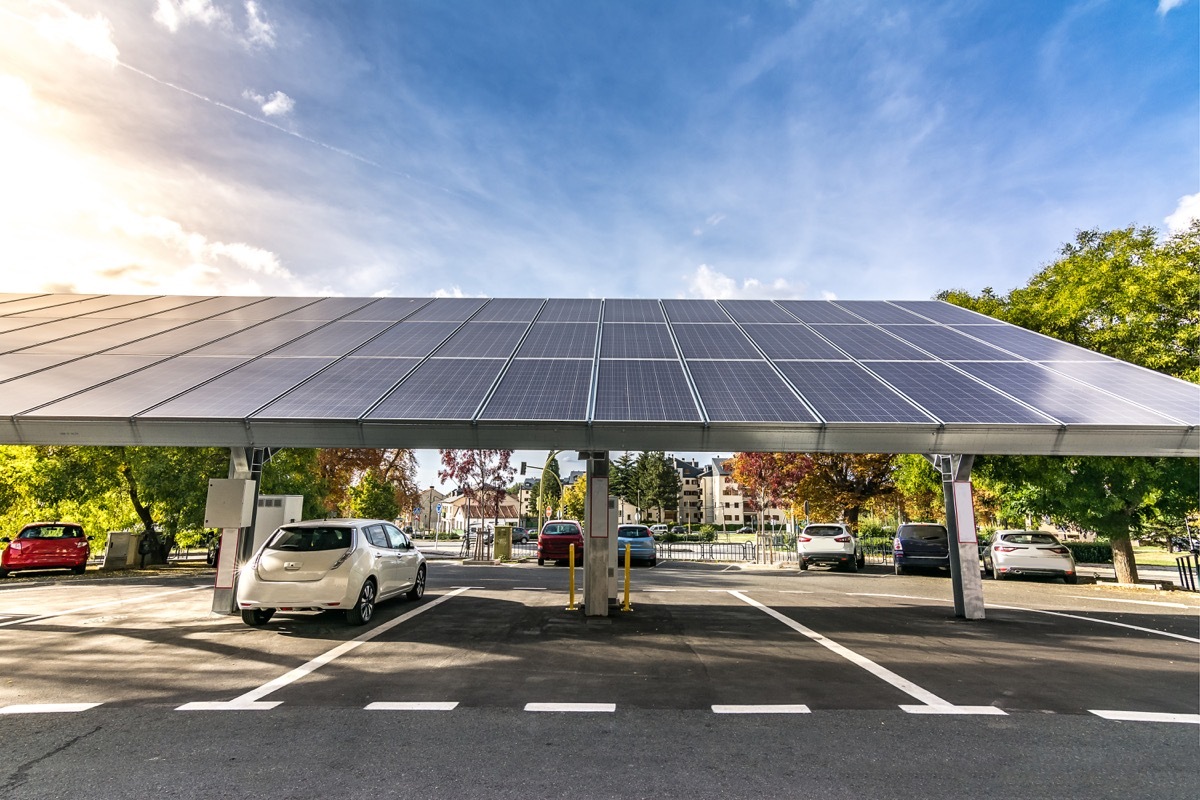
542,485
429,511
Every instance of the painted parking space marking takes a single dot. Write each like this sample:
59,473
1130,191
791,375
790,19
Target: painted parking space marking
656,590
77,609
1101,622
573,708
930,702
529,588
252,700
48,708
1134,602
411,706
1148,716
794,591
762,709
898,596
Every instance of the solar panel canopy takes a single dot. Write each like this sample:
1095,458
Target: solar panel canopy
636,374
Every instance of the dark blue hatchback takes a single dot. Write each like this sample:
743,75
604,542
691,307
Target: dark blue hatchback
921,544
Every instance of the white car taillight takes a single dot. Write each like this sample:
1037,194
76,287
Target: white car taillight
803,538
1059,551
843,538
896,545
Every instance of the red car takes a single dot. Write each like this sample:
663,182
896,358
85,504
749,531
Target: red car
46,545
556,538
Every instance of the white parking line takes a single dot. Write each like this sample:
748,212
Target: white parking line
592,708
137,599
898,596
1135,602
1101,622
48,708
930,702
1148,716
252,700
782,709
411,706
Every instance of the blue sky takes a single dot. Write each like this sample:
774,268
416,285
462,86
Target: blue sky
797,149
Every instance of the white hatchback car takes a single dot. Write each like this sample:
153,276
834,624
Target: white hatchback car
338,564
1028,553
829,544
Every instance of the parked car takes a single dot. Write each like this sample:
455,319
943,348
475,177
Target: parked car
556,538
520,535
658,529
829,544
46,545
1028,553
1181,544
488,535
745,529
921,544
330,564
640,542
679,529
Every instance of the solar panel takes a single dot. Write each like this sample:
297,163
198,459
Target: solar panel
261,338
633,311
145,307
1032,345
125,397
441,388
329,308
714,341
869,342
448,309
35,334
241,391
206,307
845,392
1060,396
16,364
570,311
1180,399
484,340
183,338
947,343
818,311
636,340
694,311
879,311
408,340
114,335
560,340
746,391
756,311
39,388
268,308
630,391
946,313
792,341
344,391
6,297
60,301
509,309
549,389
335,339
954,397
388,309
100,303
14,323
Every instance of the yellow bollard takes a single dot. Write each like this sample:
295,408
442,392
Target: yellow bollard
625,606
571,567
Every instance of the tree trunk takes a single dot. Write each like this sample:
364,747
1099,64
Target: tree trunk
1123,563
157,555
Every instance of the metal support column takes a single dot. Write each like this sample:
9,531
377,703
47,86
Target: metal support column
597,565
963,543
237,544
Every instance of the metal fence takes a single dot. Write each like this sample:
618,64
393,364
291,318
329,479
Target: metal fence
1188,566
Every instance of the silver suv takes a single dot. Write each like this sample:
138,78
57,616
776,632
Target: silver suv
829,543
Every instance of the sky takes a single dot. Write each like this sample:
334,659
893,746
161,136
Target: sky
814,149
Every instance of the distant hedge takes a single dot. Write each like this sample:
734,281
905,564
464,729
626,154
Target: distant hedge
1091,552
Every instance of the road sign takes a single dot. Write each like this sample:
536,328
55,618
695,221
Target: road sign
438,507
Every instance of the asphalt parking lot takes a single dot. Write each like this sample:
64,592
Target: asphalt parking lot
722,681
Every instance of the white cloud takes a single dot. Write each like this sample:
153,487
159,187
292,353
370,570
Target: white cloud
259,32
174,14
1165,6
454,291
1187,210
708,284
91,35
277,104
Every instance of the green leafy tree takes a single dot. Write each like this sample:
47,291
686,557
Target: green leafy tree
622,478
574,498
769,478
373,497
482,476
657,483
841,485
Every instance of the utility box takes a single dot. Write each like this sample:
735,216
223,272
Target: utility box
230,503
502,543
120,550
275,510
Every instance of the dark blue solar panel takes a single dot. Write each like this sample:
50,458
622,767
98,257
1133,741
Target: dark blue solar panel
869,342
792,341
448,309
441,388
484,340
1177,398
329,308
694,311
845,392
1061,397
49,385
635,340
818,311
335,339
125,397
408,340
954,397
570,311
1032,345
947,343
508,309
746,391
633,311
266,308
631,391
389,309
560,340
879,312
714,341
547,389
239,393
261,338
344,391
946,313
756,311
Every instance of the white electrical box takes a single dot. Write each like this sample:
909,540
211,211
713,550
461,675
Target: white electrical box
230,503
275,510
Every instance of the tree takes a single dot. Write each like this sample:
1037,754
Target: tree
622,478
373,497
769,478
918,489
842,484
482,476
574,499
341,468
657,482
